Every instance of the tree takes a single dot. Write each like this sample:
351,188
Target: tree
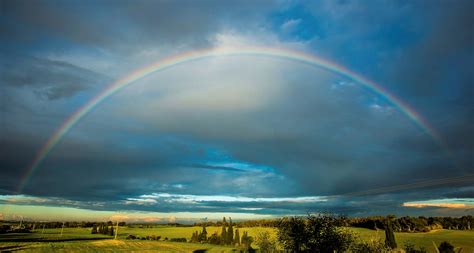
247,242
94,229
446,247
111,231
214,239
194,237
291,232
224,232
237,237
230,233
390,236
313,234
203,236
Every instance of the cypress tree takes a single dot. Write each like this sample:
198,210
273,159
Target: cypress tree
390,236
230,233
203,236
224,232
237,237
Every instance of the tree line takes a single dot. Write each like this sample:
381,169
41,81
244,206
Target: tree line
401,224
415,224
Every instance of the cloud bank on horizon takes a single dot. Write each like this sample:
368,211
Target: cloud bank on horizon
238,134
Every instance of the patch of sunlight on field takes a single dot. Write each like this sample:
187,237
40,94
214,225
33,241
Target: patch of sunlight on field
459,238
111,245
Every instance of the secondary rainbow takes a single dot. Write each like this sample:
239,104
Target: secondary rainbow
174,60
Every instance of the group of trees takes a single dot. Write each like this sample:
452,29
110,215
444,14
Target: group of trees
402,224
227,236
103,228
415,224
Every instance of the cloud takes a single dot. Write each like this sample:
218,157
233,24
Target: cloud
50,79
218,198
290,25
444,203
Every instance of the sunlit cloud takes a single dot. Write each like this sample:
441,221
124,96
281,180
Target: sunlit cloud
188,198
465,203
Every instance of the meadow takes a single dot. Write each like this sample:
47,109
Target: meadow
81,240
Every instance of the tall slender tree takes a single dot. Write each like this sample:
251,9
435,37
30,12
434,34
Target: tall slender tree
389,235
224,231
203,236
230,233
237,237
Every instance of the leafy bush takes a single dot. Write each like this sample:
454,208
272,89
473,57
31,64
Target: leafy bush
265,243
410,248
131,237
446,247
178,240
371,246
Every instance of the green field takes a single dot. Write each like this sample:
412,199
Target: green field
80,240
459,238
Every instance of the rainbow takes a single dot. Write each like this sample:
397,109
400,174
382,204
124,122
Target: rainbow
182,58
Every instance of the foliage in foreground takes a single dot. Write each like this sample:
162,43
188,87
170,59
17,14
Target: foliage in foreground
371,246
446,247
411,248
313,234
265,242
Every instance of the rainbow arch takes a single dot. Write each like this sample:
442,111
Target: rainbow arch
185,57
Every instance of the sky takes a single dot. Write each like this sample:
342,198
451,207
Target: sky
252,136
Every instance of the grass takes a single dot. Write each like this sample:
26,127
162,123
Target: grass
80,240
186,232
459,238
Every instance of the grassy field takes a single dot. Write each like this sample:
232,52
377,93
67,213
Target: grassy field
80,240
459,238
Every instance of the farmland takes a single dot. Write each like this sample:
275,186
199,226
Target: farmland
80,239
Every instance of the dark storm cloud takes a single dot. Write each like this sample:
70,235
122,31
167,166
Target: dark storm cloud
125,25
446,47
49,79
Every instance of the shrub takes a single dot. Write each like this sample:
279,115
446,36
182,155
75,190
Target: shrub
265,243
131,237
372,246
178,240
410,248
446,247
